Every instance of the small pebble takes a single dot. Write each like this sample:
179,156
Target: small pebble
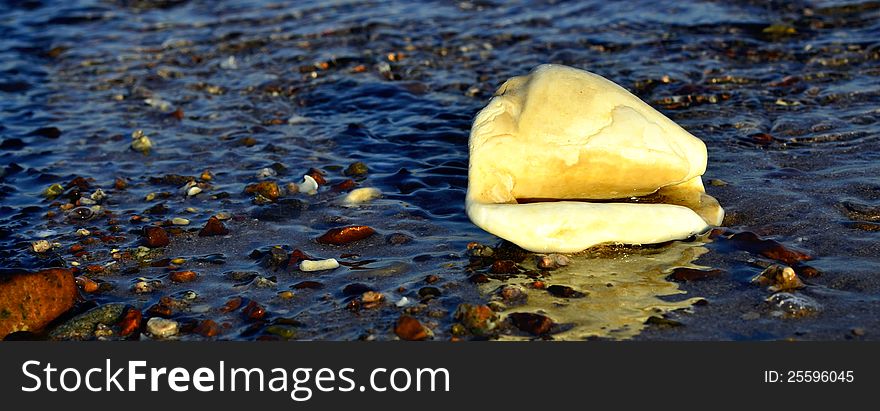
266,172
194,190
402,302
179,221
308,186
318,265
162,328
362,195
140,142
82,232
41,246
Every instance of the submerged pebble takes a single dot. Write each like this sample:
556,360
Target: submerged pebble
410,329
345,235
162,328
140,142
213,227
795,305
41,246
362,195
778,278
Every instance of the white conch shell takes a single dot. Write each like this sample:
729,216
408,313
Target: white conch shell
561,133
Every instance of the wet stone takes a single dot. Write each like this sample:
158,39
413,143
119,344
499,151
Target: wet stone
513,294
284,331
183,276
162,328
267,189
83,326
778,278
478,319
564,291
398,239
207,328
254,311
427,293
795,305
504,267
213,227
535,324
410,329
371,299
694,274
130,322
30,301
155,237
345,235
356,169
307,285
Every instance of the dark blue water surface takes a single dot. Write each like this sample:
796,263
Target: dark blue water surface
786,95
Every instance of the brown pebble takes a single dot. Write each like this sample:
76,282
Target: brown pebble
693,274
564,291
504,267
207,328
87,285
177,114
254,310
345,235
371,299
806,271
296,257
432,278
213,227
160,310
120,183
479,278
155,237
268,189
772,249
307,285
182,276
318,175
531,323
130,322
30,301
231,305
410,329
778,278
344,185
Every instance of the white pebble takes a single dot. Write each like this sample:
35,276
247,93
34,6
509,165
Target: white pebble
402,302
82,232
229,63
98,195
308,186
41,246
158,103
161,327
296,119
362,195
193,191
318,265
266,172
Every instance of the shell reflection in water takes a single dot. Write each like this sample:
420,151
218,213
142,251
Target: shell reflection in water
624,287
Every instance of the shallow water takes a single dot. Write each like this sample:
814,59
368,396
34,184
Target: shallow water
785,95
